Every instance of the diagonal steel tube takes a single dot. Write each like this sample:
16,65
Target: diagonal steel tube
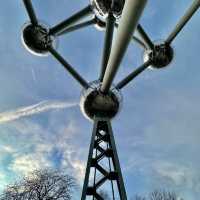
110,25
183,21
116,165
71,20
30,11
138,41
129,20
145,37
133,75
69,68
78,26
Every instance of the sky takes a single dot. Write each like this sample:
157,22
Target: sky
157,131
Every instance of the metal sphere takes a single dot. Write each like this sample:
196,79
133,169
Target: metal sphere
36,39
161,56
102,7
94,103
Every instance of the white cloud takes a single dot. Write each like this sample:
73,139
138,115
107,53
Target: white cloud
176,174
7,149
2,180
34,145
33,109
179,175
25,164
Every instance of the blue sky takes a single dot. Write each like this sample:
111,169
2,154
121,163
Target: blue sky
157,131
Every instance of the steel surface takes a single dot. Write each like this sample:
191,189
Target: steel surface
128,22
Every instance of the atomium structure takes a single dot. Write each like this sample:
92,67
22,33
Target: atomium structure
101,100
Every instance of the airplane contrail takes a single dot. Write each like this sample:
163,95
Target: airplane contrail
34,109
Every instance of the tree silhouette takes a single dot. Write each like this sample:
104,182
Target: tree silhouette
44,184
163,195
158,195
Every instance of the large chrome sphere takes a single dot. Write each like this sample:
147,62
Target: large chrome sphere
102,7
36,39
94,103
161,56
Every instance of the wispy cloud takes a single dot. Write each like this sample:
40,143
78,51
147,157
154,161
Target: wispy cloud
179,175
34,148
34,109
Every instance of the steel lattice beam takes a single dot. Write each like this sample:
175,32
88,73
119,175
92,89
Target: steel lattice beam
102,134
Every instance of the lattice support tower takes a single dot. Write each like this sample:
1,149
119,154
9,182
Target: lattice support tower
102,150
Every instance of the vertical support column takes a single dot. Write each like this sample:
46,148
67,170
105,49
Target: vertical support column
89,163
102,148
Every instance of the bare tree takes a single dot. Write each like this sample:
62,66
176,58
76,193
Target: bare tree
158,195
41,185
162,195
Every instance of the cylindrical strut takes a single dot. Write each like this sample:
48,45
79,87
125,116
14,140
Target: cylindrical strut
129,20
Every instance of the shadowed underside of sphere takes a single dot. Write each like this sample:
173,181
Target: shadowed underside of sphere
161,56
102,7
36,39
96,104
